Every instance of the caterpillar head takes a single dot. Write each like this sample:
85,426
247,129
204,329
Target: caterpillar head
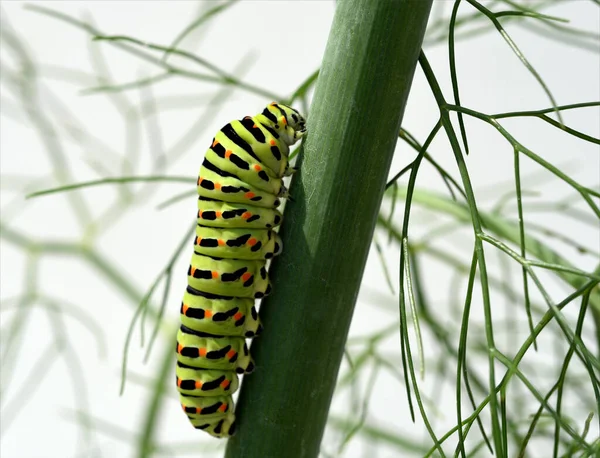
288,122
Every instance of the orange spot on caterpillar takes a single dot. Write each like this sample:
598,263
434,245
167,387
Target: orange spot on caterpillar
223,408
203,352
215,143
254,126
219,214
179,348
258,168
178,381
225,384
249,195
272,142
199,213
208,313
237,316
198,240
199,181
198,410
183,407
246,215
228,153
231,354
252,241
246,276
217,185
198,384
215,274
221,242
185,309
192,270
283,120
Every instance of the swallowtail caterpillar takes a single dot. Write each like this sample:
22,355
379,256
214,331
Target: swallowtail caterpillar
239,188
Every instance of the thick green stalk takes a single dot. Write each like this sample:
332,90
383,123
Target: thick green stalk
353,128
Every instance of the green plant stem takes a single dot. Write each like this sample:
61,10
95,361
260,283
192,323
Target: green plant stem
353,127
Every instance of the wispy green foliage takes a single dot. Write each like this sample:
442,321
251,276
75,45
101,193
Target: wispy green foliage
517,403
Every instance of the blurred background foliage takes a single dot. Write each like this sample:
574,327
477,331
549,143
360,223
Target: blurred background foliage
483,312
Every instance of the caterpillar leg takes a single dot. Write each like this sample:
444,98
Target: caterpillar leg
289,171
278,245
298,134
283,192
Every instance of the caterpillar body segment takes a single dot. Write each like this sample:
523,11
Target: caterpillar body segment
236,243
246,168
266,144
228,277
227,188
215,213
210,352
201,382
219,315
239,189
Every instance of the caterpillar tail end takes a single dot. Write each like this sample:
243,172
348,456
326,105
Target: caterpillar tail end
219,428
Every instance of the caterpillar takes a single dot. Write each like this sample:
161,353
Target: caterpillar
239,189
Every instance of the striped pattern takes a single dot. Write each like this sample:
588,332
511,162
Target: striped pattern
239,188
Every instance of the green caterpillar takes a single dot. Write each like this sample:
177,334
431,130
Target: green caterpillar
239,187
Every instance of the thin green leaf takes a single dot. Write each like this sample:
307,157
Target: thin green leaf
453,76
477,229
404,337
585,192
386,272
413,308
462,353
126,86
196,23
223,77
522,240
119,180
167,271
176,198
306,85
518,53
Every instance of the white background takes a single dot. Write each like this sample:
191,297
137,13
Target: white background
284,43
